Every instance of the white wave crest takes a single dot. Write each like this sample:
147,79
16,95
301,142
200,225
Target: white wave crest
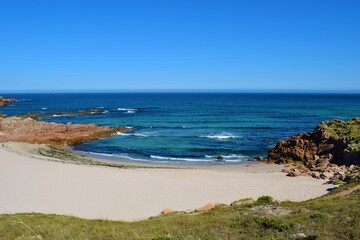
222,136
132,134
127,109
189,159
177,159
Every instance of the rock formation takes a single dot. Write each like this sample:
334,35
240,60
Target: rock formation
78,112
4,101
331,150
28,130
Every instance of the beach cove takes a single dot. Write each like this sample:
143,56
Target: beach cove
33,183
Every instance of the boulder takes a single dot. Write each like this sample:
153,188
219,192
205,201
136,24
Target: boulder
322,151
206,207
167,211
18,129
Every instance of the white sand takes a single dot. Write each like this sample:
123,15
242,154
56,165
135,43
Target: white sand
31,185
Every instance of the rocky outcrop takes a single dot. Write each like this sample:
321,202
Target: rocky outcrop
206,207
331,150
4,101
77,112
19,129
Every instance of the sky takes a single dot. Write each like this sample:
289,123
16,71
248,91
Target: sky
180,45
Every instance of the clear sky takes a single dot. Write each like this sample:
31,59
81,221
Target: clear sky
180,45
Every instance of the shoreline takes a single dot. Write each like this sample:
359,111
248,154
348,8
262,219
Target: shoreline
30,182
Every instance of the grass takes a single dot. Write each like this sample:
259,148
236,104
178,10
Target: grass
330,217
349,129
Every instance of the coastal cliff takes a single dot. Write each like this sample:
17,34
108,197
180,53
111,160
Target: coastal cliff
331,150
19,129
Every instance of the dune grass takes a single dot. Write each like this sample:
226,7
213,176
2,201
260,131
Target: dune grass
334,216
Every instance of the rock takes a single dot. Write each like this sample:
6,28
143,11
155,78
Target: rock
271,210
326,175
315,175
206,207
18,129
294,173
339,176
4,101
78,112
303,210
331,144
242,202
297,236
167,211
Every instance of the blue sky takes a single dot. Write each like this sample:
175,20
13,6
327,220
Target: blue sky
180,45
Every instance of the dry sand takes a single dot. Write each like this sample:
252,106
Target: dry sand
29,184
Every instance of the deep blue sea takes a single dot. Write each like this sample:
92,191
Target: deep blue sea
191,127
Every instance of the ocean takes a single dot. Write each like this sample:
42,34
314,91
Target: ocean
191,128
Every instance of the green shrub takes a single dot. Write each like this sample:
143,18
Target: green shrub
271,223
264,200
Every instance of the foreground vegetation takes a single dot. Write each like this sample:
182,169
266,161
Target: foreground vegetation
334,216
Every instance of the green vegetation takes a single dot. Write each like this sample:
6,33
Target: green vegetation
349,131
334,216
264,200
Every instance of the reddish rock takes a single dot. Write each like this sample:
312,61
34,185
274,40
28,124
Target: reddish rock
206,207
18,129
167,211
4,101
321,151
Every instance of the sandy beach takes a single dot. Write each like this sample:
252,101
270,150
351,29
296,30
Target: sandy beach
33,184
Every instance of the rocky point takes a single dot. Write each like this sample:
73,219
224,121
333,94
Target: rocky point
20,129
4,101
331,151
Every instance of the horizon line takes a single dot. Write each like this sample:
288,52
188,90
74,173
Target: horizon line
282,91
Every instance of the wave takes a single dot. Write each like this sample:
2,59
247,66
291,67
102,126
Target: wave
221,136
188,159
61,115
230,158
128,110
24,100
44,108
132,134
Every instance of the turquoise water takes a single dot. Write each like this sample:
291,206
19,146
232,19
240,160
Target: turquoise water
191,128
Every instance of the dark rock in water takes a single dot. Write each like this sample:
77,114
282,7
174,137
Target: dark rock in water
332,144
78,112
4,101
